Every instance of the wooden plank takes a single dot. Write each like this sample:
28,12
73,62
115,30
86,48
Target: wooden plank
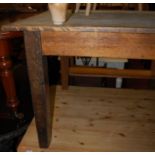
110,72
101,21
95,44
37,69
113,20
98,119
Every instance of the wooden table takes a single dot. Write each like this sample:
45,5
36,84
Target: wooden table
110,34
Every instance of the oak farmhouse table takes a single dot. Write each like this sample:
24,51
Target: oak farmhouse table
109,34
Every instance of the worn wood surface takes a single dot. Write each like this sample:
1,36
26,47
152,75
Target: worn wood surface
98,119
97,44
102,21
37,69
110,72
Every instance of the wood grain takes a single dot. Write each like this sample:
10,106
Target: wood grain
37,69
95,44
109,72
100,21
98,119
108,34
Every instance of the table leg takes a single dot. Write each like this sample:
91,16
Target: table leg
64,72
7,75
152,81
37,70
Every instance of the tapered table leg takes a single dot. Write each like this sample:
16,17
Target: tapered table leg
37,70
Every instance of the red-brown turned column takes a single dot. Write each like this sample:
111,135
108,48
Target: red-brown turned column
6,73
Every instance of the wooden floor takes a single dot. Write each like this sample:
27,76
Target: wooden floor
99,119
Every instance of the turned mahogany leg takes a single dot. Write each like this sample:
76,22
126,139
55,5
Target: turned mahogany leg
7,75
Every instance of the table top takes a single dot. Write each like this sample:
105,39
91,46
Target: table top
98,21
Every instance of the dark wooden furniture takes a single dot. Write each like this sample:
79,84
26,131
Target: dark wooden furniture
111,34
6,73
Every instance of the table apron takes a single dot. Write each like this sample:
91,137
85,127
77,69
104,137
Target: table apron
99,44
